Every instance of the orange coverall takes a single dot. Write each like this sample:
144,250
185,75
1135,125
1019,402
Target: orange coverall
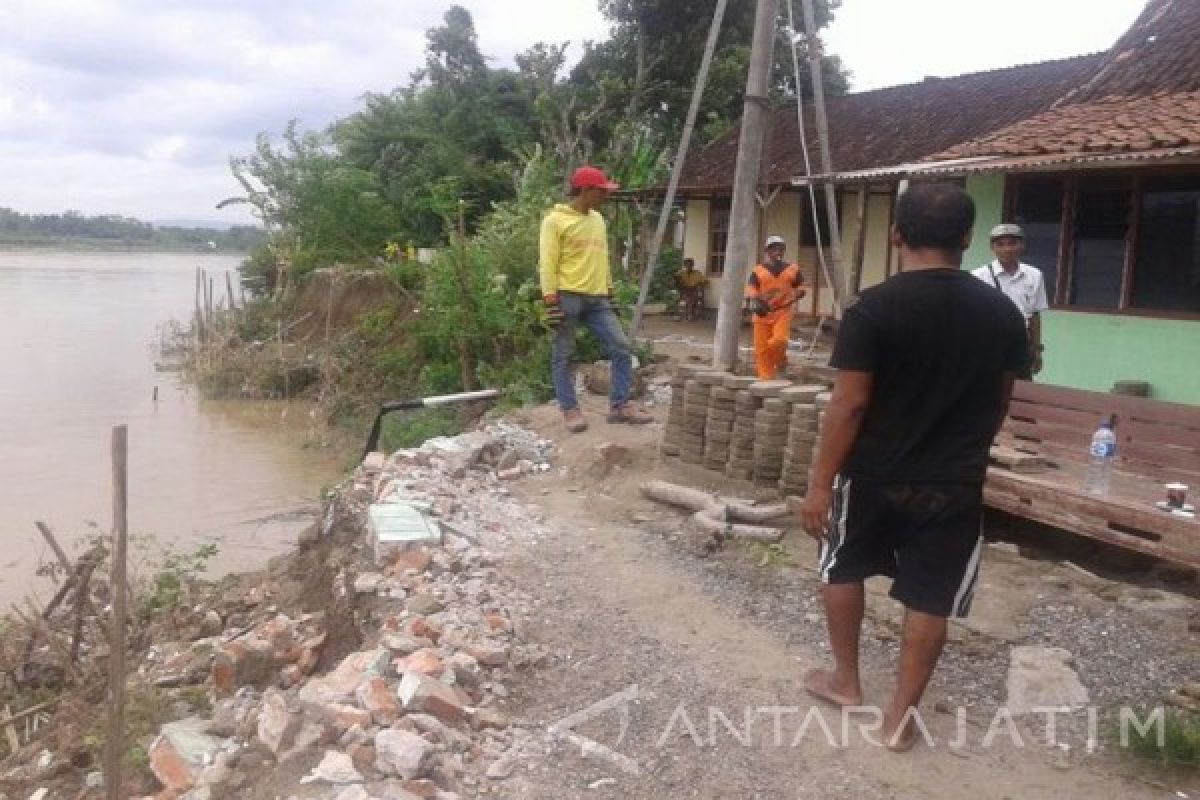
779,291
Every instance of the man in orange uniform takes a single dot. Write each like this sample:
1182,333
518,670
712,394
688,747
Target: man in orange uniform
773,289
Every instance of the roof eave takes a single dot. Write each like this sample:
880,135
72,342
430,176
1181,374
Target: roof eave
980,165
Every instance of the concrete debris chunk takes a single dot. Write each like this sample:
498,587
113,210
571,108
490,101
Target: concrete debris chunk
335,768
278,723
421,693
402,753
181,751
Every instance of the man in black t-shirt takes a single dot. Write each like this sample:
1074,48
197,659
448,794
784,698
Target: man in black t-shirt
925,368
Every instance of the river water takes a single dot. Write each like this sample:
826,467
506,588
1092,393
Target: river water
78,333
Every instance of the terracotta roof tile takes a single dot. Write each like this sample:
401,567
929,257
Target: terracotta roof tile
1144,95
1117,123
1157,54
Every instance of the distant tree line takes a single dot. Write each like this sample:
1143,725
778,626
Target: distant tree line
117,231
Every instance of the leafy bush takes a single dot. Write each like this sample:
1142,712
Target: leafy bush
411,428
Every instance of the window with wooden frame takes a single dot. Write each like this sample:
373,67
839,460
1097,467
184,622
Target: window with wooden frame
1037,206
808,233
1114,243
718,234
1166,267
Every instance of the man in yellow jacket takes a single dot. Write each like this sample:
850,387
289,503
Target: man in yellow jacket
577,288
773,289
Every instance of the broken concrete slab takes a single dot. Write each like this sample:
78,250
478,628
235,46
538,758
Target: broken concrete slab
398,526
1041,678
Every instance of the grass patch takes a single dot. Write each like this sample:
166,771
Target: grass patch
1178,745
402,429
772,555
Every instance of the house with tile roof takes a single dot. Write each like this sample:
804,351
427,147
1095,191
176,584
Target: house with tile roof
1098,159
874,129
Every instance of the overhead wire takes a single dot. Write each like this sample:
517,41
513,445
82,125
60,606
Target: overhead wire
793,39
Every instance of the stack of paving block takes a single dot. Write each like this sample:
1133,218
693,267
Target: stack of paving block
770,431
718,430
802,439
740,465
695,417
822,402
673,432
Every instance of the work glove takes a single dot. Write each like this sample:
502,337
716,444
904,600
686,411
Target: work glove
554,312
758,307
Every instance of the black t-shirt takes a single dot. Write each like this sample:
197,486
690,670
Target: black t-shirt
938,343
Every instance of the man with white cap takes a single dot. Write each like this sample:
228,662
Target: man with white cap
1022,284
772,291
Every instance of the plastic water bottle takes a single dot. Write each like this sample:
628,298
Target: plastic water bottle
1101,455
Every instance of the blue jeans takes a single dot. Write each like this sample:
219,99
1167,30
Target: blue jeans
596,312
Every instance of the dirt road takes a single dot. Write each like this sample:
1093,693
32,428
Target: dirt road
707,652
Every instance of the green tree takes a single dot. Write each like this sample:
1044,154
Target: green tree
649,64
318,209
449,136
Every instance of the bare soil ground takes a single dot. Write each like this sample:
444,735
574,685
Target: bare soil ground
629,603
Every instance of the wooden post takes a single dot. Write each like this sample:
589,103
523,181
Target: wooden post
860,242
229,291
199,326
48,535
836,268
689,125
114,743
742,244
466,362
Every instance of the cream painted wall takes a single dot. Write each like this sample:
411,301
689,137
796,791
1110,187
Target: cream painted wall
879,214
695,237
783,217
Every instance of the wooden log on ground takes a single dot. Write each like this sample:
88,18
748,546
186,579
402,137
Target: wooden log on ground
713,522
698,500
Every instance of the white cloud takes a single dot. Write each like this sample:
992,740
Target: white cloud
885,42
134,106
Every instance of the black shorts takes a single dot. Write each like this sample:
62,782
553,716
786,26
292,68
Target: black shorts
927,537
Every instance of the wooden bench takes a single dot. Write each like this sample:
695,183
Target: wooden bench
1157,443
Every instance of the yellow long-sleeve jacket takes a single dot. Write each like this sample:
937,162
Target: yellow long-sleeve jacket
573,253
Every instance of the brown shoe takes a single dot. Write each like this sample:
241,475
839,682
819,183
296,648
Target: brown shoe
630,415
574,421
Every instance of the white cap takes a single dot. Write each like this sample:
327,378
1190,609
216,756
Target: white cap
1007,229
774,240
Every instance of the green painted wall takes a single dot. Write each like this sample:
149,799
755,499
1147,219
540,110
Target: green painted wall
1093,351
988,193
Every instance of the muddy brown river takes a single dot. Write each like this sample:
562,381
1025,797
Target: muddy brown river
78,334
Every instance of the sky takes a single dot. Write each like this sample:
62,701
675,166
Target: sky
134,107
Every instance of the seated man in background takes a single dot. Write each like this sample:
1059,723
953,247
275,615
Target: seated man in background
691,284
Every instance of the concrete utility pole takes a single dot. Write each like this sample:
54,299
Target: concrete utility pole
743,230
836,268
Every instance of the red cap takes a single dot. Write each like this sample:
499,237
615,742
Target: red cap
592,178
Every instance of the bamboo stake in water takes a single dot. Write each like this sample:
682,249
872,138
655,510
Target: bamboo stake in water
114,743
